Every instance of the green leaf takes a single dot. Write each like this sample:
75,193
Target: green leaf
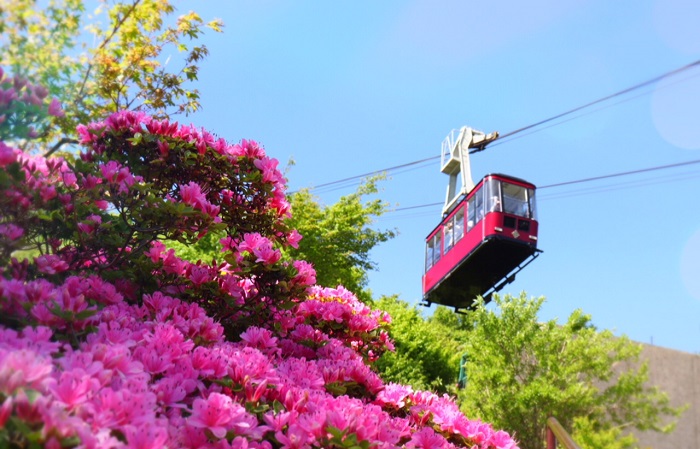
85,314
224,381
336,388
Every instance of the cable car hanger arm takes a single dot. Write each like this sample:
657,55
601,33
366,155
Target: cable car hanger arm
455,161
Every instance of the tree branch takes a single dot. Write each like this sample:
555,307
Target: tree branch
103,44
59,144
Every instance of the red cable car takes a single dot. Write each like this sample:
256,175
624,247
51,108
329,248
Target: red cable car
488,232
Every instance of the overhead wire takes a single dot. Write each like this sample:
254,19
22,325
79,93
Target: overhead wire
606,98
635,184
330,187
504,138
586,180
625,173
576,117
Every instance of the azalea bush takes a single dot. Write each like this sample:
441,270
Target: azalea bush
25,109
108,339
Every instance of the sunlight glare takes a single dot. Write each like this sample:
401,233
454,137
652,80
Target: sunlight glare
675,107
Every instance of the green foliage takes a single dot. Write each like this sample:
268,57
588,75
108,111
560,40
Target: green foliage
141,57
205,249
24,109
521,371
428,352
337,239
589,436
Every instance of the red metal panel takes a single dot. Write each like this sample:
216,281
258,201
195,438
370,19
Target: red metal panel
484,229
497,225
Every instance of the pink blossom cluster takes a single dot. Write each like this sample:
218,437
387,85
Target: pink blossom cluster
338,313
22,102
128,124
108,339
161,374
41,183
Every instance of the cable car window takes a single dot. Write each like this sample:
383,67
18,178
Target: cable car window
493,196
449,227
471,214
475,209
515,200
437,247
479,205
533,208
459,224
429,249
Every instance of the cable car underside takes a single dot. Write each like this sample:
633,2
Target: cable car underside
485,271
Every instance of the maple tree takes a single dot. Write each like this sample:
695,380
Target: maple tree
140,57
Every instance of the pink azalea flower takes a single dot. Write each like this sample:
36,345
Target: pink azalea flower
228,244
102,291
251,241
173,264
68,177
11,231
426,438
47,193
282,207
23,368
45,317
112,408
268,167
50,264
192,195
84,134
39,339
260,247
259,338
110,170
163,148
217,412
394,395
199,274
90,182
55,108
267,255
294,438
250,365
7,155
156,250
31,411
302,374
147,436
114,173
90,224
209,362
40,91
248,148
501,440
306,274
6,410
153,362
74,388
293,239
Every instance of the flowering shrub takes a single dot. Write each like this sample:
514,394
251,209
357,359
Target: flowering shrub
25,109
109,340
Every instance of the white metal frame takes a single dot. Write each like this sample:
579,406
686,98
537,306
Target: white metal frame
455,161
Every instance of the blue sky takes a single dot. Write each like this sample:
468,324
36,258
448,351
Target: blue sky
346,88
